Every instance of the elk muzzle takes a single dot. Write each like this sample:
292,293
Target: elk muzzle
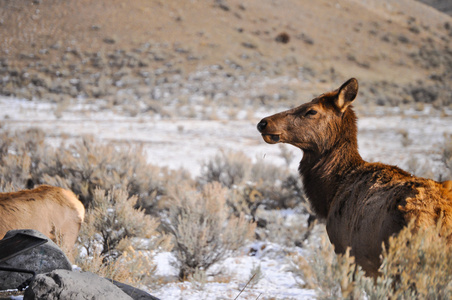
267,135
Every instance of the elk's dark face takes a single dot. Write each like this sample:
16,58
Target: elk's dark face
312,126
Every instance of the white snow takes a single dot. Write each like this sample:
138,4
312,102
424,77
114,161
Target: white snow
185,143
273,280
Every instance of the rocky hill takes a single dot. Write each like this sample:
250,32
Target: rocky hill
152,56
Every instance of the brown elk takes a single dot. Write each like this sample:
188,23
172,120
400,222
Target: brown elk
54,211
362,203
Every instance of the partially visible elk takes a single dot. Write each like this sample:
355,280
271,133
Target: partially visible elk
363,203
54,211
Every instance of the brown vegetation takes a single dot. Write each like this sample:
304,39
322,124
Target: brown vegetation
364,204
134,55
203,228
421,271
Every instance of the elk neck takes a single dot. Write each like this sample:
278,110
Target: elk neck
324,172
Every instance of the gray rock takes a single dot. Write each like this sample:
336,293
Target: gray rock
42,259
135,293
64,284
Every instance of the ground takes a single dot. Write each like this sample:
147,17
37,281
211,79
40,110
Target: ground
398,50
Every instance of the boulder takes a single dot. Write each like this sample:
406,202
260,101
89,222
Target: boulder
135,293
64,284
41,259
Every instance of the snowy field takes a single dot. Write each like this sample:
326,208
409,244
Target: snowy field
411,140
390,137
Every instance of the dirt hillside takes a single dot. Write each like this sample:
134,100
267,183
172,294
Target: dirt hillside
144,53
441,5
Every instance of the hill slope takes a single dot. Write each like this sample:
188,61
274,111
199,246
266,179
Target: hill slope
399,50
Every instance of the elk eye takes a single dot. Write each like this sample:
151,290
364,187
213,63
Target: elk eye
311,112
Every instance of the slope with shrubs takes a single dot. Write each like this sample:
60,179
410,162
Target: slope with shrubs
147,56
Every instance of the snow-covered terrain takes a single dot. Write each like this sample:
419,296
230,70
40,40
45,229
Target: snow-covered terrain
391,137
412,140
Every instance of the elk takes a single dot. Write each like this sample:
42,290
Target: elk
53,211
362,203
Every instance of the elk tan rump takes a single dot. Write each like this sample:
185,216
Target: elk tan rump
54,211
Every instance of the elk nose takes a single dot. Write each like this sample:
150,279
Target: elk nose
261,125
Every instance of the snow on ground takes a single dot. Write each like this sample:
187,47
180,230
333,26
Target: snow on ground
273,279
410,140
186,143
173,143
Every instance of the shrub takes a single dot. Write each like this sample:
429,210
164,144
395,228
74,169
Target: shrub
88,164
112,232
254,184
27,160
114,229
414,266
203,229
418,265
288,228
328,274
228,168
21,154
447,155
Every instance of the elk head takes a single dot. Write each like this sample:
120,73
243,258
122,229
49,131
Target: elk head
315,126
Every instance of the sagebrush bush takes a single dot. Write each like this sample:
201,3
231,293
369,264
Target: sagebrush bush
414,266
203,228
206,219
288,228
21,155
254,184
133,267
228,168
447,155
111,234
328,274
113,225
88,164
419,265
27,160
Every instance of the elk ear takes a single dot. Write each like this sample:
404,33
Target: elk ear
346,94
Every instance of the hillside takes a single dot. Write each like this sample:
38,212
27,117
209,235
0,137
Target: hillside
442,5
145,54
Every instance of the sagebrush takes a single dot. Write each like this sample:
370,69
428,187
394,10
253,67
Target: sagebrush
414,266
111,238
203,228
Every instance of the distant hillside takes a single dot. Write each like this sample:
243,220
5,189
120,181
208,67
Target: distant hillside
398,49
441,5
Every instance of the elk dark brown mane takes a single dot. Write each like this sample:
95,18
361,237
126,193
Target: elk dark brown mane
363,203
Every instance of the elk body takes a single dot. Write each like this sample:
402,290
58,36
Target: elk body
53,211
362,203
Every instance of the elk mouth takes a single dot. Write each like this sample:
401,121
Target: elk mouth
271,138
